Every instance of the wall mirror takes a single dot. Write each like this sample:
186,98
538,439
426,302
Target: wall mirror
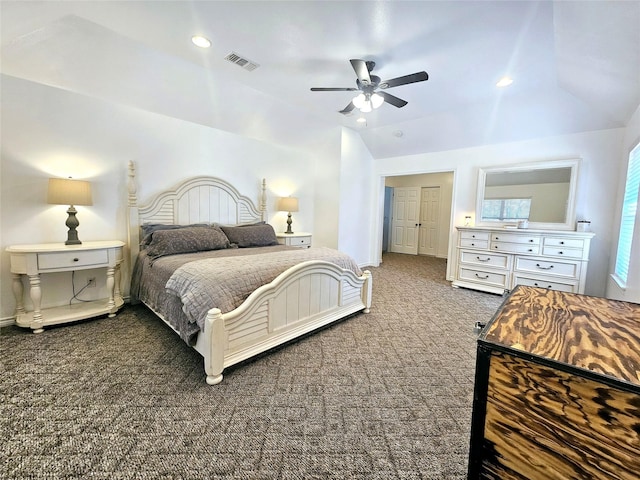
543,193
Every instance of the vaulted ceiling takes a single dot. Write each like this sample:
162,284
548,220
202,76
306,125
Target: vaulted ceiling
575,65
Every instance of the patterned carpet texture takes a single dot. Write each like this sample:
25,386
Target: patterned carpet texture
387,395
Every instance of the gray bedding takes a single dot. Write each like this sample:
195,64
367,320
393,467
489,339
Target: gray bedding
182,288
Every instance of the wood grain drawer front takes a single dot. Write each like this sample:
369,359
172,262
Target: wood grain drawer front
564,242
470,243
546,267
300,241
515,238
71,260
562,252
474,235
491,260
568,287
488,278
531,249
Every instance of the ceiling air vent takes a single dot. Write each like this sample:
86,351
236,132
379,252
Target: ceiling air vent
241,62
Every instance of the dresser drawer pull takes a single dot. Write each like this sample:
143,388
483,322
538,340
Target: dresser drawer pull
531,240
536,284
76,259
544,268
488,259
559,253
561,243
531,249
483,278
473,244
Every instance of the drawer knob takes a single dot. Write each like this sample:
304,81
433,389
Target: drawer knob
544,268
559,253
76,259
531,240
561,243
473,244
531,249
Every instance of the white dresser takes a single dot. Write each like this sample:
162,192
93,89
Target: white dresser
496,259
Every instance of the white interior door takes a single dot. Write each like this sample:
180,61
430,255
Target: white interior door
429,220
406,220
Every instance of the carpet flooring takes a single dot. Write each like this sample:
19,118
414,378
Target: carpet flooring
386,395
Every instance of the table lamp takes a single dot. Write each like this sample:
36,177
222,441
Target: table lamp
63,191
288,204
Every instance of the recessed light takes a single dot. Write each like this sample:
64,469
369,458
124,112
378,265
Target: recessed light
200,41
504,82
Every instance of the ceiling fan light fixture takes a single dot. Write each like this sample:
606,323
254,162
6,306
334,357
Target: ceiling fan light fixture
366,108
376,100
359,100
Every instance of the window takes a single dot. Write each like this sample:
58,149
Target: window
628,218
506,208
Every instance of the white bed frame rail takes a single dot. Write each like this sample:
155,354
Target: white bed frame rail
304,298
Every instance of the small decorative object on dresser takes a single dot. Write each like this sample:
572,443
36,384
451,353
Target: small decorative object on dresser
300,239
495,260
557,392
34,260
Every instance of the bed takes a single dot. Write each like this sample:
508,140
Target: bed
175,242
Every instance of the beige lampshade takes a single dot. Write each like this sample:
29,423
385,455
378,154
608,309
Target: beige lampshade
288,204
65,191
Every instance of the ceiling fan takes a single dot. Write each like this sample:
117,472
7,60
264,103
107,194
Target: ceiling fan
369,97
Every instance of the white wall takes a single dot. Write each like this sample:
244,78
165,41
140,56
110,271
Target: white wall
355,197
443,180
631,291
596,194
52,132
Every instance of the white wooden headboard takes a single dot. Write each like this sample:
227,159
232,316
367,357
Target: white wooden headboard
196,200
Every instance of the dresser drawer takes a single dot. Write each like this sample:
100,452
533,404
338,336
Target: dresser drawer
464,235
564,242
546,267
493,260
536,282
71,260
485,277
531,249
562,252
515,238
469,243
300,241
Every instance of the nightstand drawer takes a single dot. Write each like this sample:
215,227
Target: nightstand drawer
299,241
71,260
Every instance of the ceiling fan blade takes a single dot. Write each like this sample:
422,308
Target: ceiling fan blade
348,108
413,78
360,67
331,89
393,100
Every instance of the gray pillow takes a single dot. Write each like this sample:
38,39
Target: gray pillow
149,228
260,235
186,240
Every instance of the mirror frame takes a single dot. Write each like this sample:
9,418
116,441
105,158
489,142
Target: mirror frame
570,216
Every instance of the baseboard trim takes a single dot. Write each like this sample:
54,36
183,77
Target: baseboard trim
7,321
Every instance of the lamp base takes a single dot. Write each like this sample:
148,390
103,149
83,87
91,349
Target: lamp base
72,222
289,222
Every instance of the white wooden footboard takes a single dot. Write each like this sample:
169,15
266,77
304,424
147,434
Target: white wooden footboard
300,300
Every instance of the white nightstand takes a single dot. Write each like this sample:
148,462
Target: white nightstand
35,260
299,239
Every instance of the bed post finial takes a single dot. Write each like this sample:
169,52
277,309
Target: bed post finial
263,201
131,184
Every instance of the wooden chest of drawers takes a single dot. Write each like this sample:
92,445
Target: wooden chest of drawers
557,393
